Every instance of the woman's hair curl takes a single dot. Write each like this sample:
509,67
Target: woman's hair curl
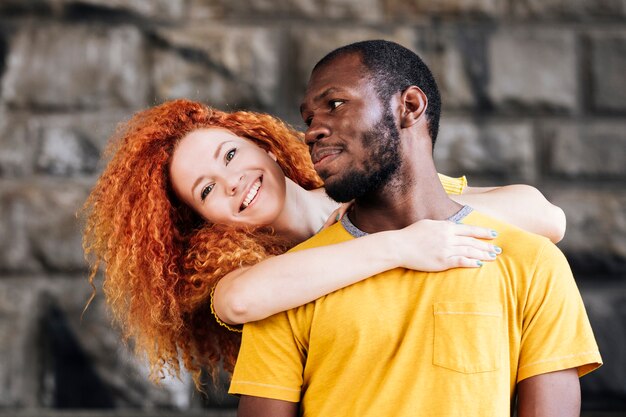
161,260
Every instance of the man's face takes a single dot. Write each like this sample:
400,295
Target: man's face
352,136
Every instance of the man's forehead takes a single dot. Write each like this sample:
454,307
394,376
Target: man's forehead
344,73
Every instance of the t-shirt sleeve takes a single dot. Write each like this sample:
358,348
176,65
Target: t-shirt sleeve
271,359
453,185
556,333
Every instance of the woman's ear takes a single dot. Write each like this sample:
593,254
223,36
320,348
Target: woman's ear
414,104
272,156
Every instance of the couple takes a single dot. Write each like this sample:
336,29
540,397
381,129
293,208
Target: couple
403,342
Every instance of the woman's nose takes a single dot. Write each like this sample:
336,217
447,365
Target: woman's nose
233,183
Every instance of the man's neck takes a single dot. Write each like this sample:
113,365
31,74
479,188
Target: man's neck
415,193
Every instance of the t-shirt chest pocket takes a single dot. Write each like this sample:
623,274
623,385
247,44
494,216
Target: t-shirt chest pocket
467,336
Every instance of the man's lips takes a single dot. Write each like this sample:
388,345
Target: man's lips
325,155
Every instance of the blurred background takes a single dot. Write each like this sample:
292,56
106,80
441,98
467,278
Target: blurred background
534,91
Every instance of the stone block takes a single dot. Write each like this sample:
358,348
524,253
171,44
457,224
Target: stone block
533,69
368,11
605,302
71,145
16,379
161,10
54,66
608,69
39,221
505,150
596,227
230,67
17,145
596,149
457,58
54,145
46,338
568,9
420,9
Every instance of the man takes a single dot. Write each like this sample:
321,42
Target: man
462,342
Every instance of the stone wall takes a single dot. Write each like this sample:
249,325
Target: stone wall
534,91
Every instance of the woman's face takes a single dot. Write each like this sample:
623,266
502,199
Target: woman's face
227,179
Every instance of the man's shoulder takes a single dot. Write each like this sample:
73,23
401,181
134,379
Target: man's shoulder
329,236
516,243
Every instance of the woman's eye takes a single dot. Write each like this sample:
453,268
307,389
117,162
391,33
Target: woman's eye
205,191
335,103
230,155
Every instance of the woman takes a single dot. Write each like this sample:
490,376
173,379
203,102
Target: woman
193,197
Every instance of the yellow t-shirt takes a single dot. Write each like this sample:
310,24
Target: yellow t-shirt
451,185
406,343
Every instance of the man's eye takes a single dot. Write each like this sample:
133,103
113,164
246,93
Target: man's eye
335,103
205,191
230,155
308,121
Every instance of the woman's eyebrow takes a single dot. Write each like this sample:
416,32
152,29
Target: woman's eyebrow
218,150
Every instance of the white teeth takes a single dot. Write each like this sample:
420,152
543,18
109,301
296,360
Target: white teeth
251,193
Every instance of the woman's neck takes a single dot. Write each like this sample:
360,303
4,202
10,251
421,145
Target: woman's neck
304,213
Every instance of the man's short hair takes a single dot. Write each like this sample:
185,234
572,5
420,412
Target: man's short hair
394,68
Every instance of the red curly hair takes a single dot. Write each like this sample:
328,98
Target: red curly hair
161,259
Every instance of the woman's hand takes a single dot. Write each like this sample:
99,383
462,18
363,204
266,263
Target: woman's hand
337,215
437,245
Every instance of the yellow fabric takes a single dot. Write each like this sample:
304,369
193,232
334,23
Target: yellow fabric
453,185
406,343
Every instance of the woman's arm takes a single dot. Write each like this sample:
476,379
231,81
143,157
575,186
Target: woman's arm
521,205
296,278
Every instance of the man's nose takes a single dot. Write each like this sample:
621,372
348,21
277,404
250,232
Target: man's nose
318,130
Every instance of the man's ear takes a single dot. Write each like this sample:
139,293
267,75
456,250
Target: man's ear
414,103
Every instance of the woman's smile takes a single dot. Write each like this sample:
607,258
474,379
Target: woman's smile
222,177
251,195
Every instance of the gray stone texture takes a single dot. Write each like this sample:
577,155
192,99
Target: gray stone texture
596,150
57,305
229,66
42,232
422,9
605,303
533,68
54,66
367,11
596,224
608,71
569,9
153,9
497,149
533,91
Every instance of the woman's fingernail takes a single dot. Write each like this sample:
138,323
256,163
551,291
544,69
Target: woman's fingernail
492,255
497,249
337,217
494,233
479,263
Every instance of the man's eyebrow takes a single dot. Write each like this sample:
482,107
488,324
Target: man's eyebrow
320,96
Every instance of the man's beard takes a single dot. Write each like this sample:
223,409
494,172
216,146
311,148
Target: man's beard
382,163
